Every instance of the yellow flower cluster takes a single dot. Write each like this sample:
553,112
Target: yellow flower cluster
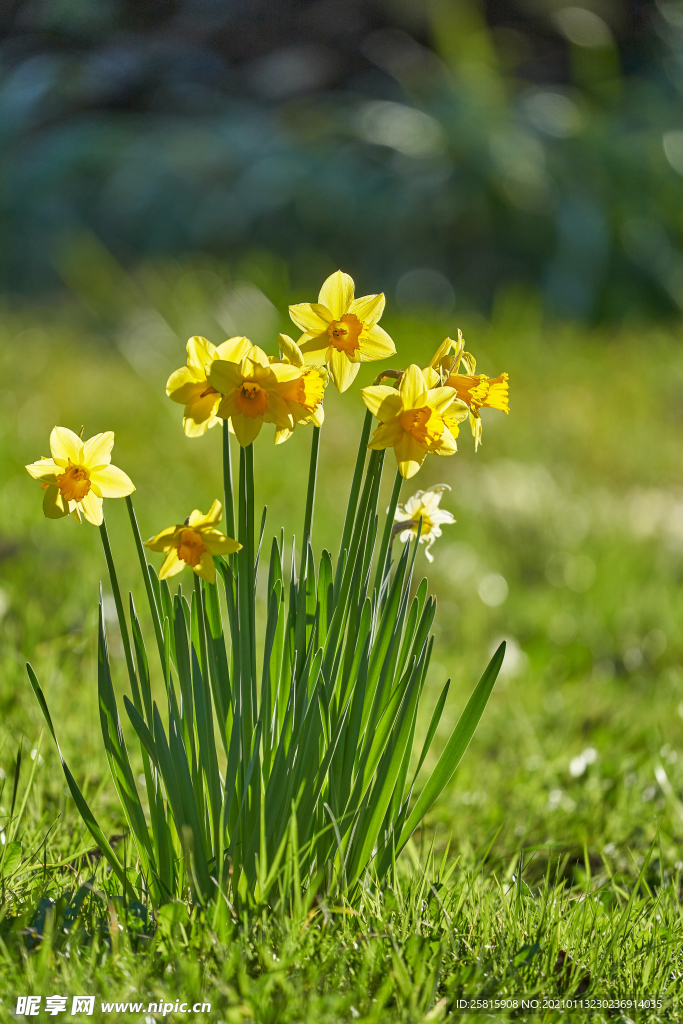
419,410
474,391
423,414
237,381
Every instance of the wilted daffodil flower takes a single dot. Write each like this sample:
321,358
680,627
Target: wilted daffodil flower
423,505
79,475
190,387
194,543
474,390
411,419
304,398
253,391
341,331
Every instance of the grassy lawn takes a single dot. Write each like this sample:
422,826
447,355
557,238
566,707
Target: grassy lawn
550,867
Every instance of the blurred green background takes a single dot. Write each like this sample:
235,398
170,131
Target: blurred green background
437,148
177,168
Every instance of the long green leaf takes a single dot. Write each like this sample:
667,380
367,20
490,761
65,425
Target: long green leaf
83,809
455,748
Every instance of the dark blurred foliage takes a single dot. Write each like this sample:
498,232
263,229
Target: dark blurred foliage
440,148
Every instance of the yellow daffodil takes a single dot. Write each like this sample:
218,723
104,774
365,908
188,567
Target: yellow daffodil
411,419
189,386
341,331
423,505
475,390
194,543
253,390
79,475
304,398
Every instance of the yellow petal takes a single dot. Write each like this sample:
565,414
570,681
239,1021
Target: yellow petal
282,434
368,308
469,363
315,348
64,444
442,351
257,357
200,352
409,455
457,411
172,565
45,470
184,384
311,317
383,401
213,516
247,428
233,350
317,417
162,540
54,505
342,370
206,568
97,449
225,376
445,445
200,414
290,350
412,388
219,544
387,435
337,294
92,508
278,412
282,373
475,427
440,398
431,376
112,481
375,343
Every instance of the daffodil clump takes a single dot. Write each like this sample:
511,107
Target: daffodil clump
277,777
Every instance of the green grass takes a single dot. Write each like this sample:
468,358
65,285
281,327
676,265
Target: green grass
575,499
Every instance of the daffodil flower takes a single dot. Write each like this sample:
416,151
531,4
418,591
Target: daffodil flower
79,475
475,390
304,398
411,419
253,391
189,386
194,543
423,505
341,331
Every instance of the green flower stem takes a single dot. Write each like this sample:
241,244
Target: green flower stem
355,491
252,569
158,631
201,618
227,483
121,616
245,597
385,549
310,496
